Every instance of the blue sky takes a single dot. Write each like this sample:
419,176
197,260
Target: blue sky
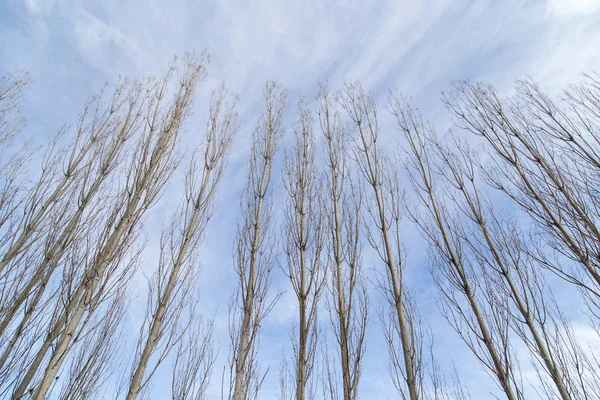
72,48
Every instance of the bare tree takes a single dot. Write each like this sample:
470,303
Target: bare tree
349,305
502,254
484,330
111,130
255,251
544,158
386,213
177,272
151,165
304,241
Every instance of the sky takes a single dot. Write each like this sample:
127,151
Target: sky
71,48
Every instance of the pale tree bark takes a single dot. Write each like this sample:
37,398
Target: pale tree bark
484,331
177,269
151,165
304,234
254,256
386,213
349,303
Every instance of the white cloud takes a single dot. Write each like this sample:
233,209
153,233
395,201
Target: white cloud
573,8
36,7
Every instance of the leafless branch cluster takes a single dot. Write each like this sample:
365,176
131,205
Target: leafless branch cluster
507,225
172,287
304,233
255,252
349,303
485,255
386,211
545,160
69,236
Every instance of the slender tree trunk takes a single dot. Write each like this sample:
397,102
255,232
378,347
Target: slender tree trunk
248,310
349,299
363,113
254,257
